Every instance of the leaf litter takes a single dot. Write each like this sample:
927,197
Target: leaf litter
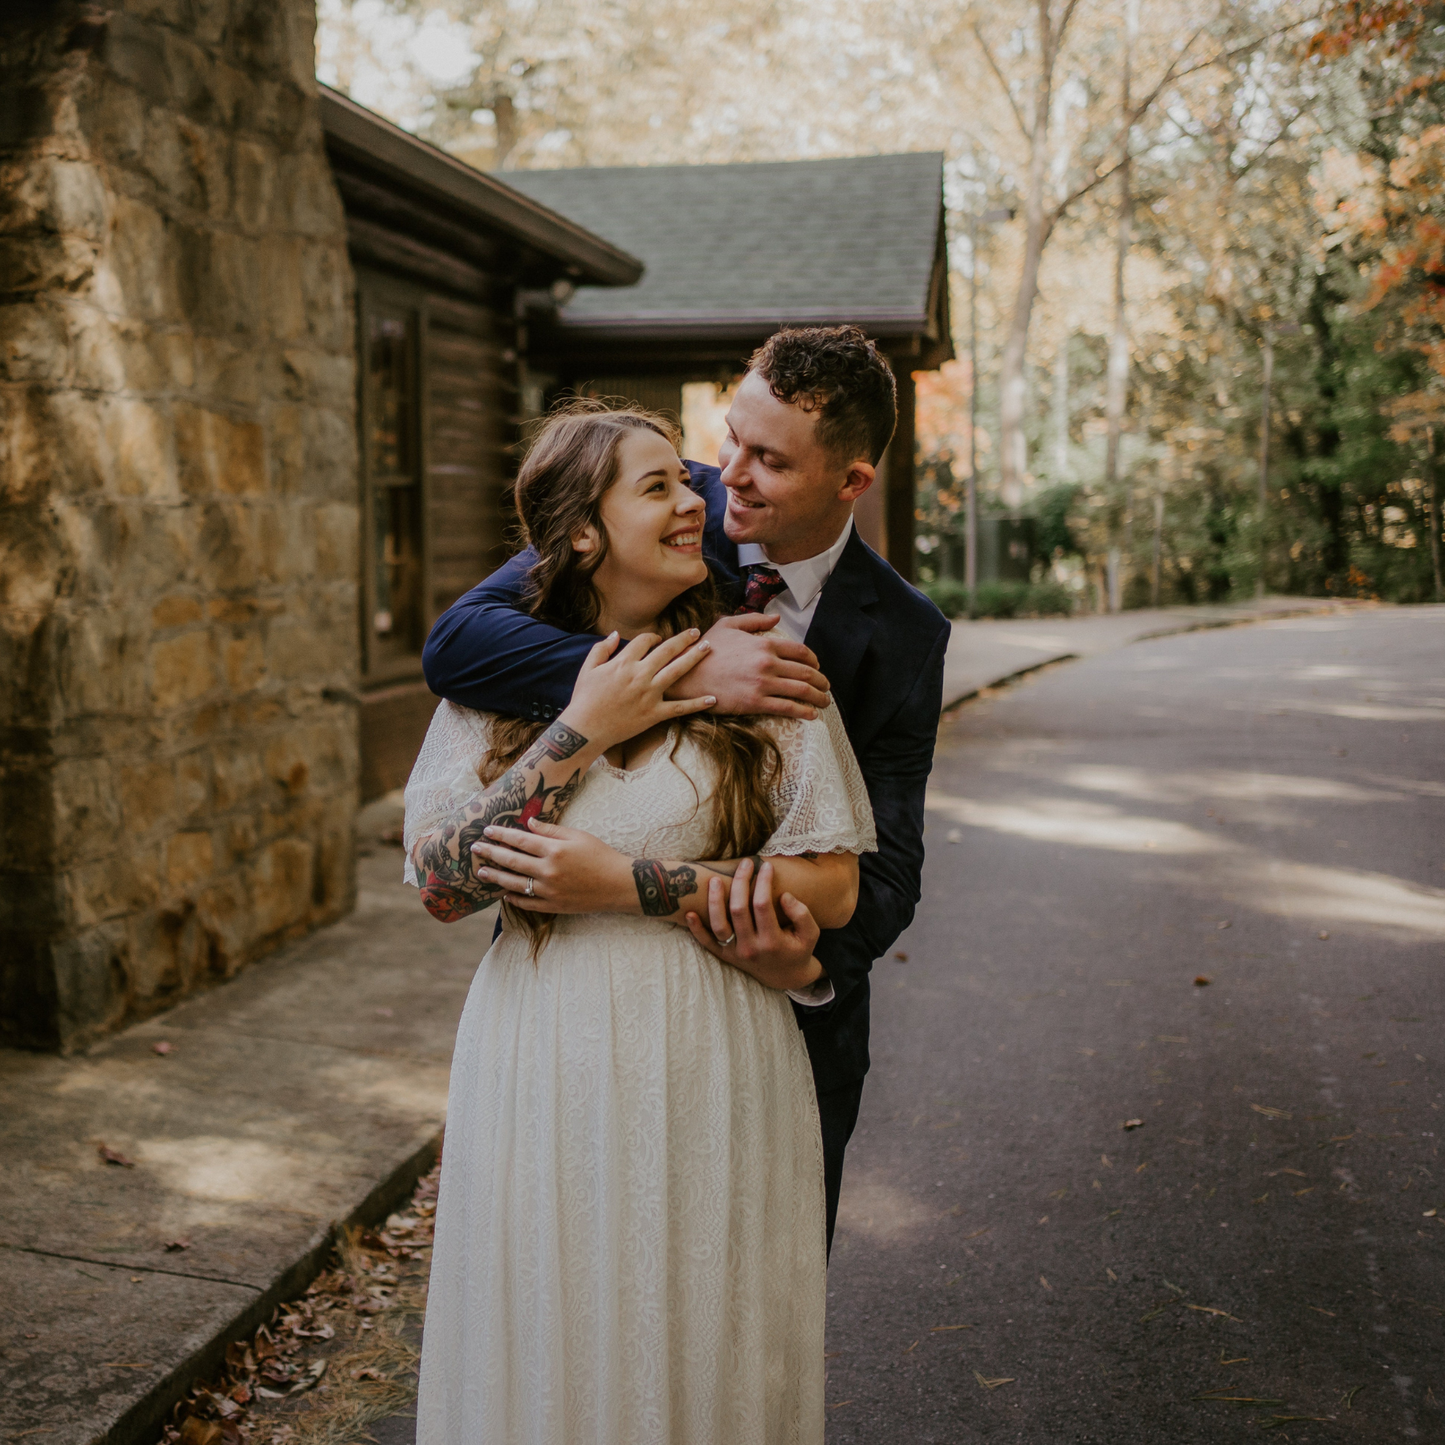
339,1358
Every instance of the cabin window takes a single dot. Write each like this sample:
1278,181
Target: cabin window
394,541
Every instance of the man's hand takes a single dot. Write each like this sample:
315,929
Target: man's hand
570,871
748,934
751,669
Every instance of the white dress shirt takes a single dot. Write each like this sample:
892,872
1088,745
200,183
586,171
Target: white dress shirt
806,580
794,609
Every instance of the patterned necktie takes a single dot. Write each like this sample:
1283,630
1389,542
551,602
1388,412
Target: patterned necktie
762,586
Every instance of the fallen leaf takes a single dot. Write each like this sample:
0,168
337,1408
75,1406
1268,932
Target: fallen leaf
943,1329
163,1047
955,835
1223,923
1324,933
174,1246
1133,1124
1112,1275
367,1372
901,956
1320,1311
1210,1310
201,1432
994,1384
114,1156
1202,980
840,1403
1271,1113
978,1232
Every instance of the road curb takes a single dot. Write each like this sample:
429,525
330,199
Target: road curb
1007,678
144,1419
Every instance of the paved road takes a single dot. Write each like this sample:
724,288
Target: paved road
1263,806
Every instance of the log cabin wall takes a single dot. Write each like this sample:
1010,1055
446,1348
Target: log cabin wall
437,408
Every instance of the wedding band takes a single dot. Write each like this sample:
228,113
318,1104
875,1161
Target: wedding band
728,941
531,884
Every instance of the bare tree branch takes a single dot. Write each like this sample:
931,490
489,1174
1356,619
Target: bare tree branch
1002,81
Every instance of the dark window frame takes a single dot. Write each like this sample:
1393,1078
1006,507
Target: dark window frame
376,295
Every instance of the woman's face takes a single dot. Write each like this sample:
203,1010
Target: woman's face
654,523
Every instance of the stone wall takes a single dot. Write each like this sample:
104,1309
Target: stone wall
178,513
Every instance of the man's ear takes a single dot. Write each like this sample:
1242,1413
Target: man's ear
860,477
585,541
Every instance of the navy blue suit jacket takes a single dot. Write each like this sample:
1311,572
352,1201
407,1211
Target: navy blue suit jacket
879,642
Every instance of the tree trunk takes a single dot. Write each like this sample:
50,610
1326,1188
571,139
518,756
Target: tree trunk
1061,413
1013,386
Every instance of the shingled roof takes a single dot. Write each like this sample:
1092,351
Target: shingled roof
735,248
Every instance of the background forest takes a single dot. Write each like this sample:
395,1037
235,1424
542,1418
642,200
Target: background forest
1208,241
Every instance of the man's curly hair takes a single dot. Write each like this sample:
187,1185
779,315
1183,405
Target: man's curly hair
837,372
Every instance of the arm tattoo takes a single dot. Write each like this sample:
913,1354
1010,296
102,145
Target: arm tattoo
559,742
661,889
443,860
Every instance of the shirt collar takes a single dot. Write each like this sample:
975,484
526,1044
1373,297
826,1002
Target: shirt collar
805,579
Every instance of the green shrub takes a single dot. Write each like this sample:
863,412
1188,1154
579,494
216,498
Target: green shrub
1002,599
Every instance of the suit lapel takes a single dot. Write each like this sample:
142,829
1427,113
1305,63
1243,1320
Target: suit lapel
841,628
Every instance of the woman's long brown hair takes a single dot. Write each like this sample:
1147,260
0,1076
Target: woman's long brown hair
569,468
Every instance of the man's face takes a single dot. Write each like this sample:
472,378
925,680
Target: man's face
786,490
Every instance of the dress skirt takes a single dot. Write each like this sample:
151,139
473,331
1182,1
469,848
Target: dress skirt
630,1230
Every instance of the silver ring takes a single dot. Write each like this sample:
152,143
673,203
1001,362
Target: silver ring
728,941
531,884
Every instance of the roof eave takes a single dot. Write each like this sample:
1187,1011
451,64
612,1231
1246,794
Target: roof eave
891,323
425,171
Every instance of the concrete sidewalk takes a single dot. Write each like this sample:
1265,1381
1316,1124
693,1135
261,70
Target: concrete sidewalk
985,654
307,1093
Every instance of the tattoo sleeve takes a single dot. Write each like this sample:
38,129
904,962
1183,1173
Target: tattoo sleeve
443,859
661,889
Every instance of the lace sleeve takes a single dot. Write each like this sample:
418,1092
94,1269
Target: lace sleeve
444,777
821,800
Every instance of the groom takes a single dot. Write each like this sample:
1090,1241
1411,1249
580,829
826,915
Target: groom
808,425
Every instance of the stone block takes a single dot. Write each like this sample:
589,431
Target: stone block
141,273
89,677
182,669
228,371
253,184
34,342
87,808
45,263
52,194
290,649
147,796
189,861
244,662
136,53
112,118
140,436
219,453
239,776
279,885
177,611
194,773
223,283
327,283
30,572
121,354
91,973
226,546
331,455
285,303
336,528
223,910
307,196
110,887
322,377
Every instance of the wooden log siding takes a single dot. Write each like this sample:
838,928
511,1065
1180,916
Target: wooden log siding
471,400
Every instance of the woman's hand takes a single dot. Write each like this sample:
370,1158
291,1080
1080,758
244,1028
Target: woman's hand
616,698
565,869
748,934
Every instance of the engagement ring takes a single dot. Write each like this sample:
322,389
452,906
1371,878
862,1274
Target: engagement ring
728,941
531,884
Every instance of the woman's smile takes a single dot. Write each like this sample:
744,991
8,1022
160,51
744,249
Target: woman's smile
687,539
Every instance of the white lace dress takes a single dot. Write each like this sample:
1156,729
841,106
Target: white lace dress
629,1240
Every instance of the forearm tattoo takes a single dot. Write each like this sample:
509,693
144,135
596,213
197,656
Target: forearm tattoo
661,889
443,860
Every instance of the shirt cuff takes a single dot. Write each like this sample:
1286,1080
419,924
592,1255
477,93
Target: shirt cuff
817,993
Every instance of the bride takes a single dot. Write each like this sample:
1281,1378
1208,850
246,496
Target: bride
630,1231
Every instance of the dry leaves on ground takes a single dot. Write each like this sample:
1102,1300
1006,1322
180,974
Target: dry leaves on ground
334,1361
